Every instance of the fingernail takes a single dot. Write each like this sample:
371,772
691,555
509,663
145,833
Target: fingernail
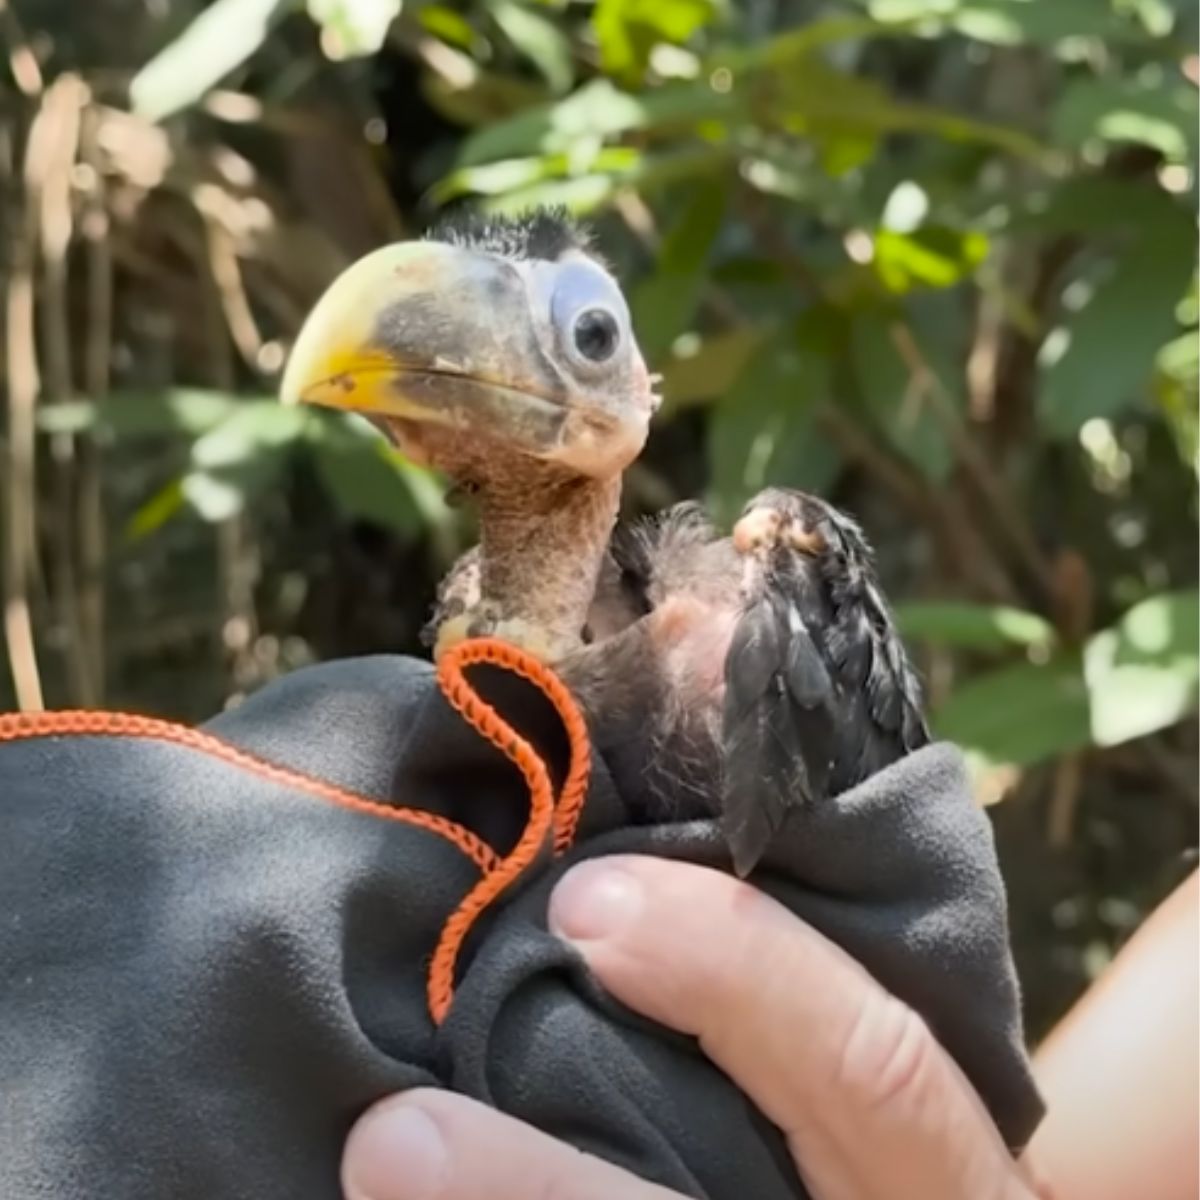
395,1153
594,900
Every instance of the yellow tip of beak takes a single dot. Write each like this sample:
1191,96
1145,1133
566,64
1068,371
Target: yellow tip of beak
332,362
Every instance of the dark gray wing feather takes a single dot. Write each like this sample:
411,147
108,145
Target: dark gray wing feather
778,727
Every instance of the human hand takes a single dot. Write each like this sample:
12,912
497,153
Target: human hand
870,1104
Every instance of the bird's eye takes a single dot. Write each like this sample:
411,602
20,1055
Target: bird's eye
596,334
587,313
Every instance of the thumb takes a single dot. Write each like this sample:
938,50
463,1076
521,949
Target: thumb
869,1102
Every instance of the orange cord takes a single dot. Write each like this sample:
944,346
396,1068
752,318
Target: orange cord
557,818
545,815
20,726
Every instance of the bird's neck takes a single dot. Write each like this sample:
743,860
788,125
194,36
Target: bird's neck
543,533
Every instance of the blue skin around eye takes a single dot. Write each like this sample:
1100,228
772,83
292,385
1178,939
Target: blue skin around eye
579,286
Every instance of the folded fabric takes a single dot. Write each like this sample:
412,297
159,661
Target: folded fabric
219,945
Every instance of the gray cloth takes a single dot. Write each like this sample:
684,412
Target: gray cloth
207,972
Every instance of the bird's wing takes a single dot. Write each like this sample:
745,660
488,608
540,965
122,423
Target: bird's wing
778,726
893,690
871,664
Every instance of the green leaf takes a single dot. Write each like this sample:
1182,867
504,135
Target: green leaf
518,175
1007,22
818,100
1158,114
1103,357
214,497
663,303
597,111
1176,389
1093,204
932,256
705,369
788,48
1019,715
445,23
471,96
628,30
253,428
1144,673
538,39
370,481
584,193
218,40
364,483
222,492
353,28
811,98
899,402
764,431
152,515
1140,676
123,415
581,195
973,626
240,457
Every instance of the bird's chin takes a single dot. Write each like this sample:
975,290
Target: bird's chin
424,410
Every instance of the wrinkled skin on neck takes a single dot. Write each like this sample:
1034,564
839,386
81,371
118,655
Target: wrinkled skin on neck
543,533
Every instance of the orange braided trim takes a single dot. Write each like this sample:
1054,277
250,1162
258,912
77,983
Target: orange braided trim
22,726
545,815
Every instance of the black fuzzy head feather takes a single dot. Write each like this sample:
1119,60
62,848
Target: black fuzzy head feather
545,234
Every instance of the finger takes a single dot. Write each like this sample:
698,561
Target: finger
869,1102
432,1145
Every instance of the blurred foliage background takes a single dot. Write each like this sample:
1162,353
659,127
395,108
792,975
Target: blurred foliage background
933,258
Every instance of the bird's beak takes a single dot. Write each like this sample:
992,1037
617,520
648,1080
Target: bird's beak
423,333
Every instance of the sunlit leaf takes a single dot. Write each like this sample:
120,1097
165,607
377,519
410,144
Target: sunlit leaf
1161,115
581,195
240,457
596,110
353,28
1006,22
584,193
973,626
126,415
445,23
213,497
538,38
1144,673
519,174
1177,386
218,40
1140,676
932,256
1019,715
252,428
628,30
222,492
